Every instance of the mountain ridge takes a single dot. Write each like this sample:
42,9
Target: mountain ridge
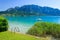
32,10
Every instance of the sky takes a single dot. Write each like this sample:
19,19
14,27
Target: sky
5,4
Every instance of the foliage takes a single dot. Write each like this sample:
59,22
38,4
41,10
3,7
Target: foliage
44,29
3,24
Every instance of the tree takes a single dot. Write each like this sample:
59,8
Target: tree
3,24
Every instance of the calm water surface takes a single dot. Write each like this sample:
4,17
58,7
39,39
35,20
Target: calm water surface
24,23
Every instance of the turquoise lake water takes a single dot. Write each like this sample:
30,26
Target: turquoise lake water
25,23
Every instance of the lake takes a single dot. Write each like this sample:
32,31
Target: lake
25,23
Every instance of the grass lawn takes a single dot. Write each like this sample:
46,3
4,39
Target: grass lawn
17,36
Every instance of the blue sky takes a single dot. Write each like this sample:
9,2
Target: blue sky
5,4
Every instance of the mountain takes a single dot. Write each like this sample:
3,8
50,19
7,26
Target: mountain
32,10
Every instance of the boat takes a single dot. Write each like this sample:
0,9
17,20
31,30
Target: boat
39,19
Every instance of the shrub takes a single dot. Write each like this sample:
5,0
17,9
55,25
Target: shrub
44,29
3,24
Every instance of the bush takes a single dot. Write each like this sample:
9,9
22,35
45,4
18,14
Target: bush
44,29
3,24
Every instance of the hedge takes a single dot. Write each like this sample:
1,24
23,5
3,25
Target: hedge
44,29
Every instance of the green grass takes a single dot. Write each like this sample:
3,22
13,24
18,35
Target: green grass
17,36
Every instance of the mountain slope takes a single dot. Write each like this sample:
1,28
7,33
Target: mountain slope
33,10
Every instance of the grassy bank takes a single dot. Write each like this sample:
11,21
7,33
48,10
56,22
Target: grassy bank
17,36
7,35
